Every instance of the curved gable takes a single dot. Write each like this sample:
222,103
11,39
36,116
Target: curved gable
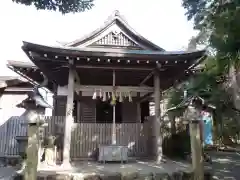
115,33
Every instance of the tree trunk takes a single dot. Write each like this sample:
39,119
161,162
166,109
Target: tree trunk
233,75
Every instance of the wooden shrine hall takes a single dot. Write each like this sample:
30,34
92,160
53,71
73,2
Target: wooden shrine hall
102,84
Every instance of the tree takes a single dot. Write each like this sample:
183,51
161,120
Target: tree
219,28
209,84
63,6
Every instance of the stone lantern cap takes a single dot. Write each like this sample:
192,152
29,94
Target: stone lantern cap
35,104
34,101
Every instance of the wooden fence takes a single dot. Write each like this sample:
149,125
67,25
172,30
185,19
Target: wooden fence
8,131
85,136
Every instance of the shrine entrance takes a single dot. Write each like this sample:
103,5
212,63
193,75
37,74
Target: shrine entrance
104,112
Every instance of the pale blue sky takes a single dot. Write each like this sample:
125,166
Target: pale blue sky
161,21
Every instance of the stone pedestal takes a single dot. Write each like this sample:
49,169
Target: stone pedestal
30,172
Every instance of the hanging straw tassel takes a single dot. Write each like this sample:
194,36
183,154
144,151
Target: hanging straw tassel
120,97
104,96
113,101
129,97
100,93
109,95
125,94
94,95
117,95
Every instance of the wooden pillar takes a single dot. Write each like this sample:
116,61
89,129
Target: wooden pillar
157,123
196,148
69,118
114,138
138,108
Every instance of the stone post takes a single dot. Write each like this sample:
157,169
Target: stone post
196,148
33,146
33,122
193,116
157,123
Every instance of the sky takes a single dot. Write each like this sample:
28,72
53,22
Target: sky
161,21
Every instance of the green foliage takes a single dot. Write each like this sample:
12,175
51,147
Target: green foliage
219,29
220,21
63,6
208,84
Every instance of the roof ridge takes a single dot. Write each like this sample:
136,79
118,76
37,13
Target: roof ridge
111,19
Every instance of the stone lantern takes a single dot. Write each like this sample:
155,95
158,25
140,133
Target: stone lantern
193,116
35,106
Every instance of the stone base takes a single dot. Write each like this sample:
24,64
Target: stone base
66,166
121,176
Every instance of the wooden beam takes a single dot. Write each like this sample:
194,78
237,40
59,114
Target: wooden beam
138,109
23,75
142,55
145,97
77,78
3,84
146,78
136,68
92,88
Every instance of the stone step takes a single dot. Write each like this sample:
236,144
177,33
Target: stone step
121,176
